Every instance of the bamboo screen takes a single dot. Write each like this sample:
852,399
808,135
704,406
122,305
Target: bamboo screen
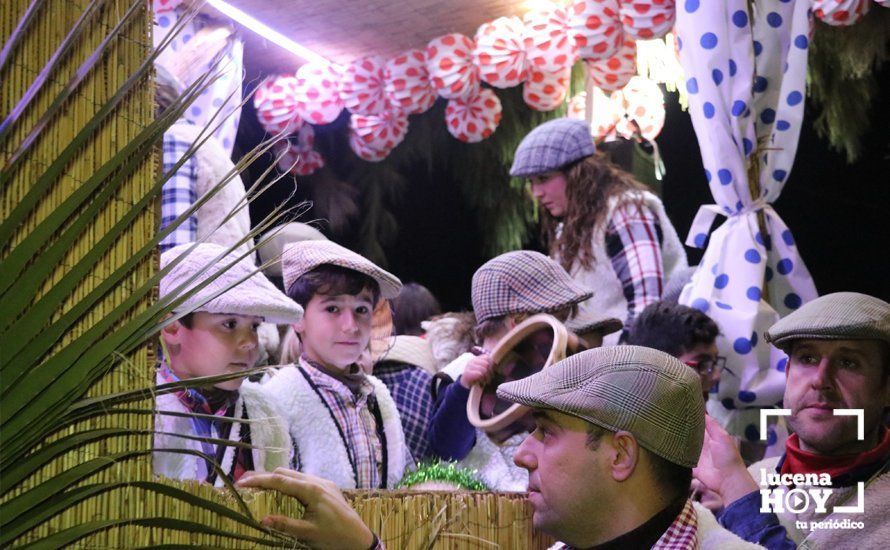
44,35
402,519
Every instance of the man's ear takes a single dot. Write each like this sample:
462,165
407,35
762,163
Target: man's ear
625,455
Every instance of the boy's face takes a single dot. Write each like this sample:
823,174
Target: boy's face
335,330
703,357
216,344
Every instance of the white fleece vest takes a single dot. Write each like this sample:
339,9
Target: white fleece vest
213,164
608,299
316,436
875,515
492,462
268,435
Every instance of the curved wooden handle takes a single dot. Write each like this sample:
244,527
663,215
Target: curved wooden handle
504,347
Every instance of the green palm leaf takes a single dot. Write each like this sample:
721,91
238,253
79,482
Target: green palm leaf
19,31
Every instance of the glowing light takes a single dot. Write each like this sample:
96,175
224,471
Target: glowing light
266,32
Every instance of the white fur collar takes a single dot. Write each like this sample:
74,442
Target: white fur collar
268,435
316,435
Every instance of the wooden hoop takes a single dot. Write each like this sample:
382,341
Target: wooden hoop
504,347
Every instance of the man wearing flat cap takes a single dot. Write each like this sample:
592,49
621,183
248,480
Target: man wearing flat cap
838,350
617,432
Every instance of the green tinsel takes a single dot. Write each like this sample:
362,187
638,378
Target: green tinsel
448,472
841,77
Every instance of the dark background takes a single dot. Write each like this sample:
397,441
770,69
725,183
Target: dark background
839,213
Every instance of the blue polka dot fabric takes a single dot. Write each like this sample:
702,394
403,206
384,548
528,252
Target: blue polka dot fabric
224,95
746,76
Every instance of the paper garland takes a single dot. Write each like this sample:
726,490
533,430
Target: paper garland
643,104
596,28
840,12
450,63
407,83
546,91
647,19
474,119
298,156
614,73
276,105
549,42
318,93
373,137
500,53
361,87
537,51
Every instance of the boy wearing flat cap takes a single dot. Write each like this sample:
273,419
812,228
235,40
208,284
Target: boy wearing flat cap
344,423
506,290
217,335
617,432
838,350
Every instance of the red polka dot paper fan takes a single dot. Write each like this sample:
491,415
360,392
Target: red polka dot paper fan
306,137
365,151
549,42
643,104
596,27
164,6
500,53
647,19
450,63
606,114
614,73
377,135
318,93
407,82
361,86
546,91
276,105
294,159
473,120
840,12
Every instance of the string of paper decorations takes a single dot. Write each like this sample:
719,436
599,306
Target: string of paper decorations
537,51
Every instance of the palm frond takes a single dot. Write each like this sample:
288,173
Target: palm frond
63,341
19,31
55,60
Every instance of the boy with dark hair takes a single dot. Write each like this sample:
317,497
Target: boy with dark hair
684,332
218,336
344,423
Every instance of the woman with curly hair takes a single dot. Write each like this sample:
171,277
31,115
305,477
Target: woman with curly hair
605,229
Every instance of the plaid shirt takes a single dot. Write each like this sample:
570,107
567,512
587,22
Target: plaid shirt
680,535
410,389
357,423
179,193
192,399
633,243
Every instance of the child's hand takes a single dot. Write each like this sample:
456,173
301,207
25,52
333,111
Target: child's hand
479,370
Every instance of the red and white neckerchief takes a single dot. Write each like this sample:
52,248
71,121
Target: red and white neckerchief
681,535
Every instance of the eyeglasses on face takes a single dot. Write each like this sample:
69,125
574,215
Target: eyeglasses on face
708,366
